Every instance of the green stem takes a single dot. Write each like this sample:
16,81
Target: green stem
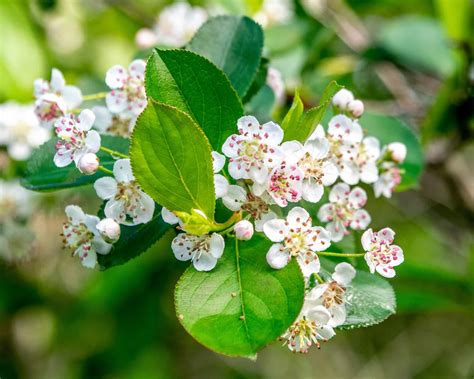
106,170
113,152
330,254
95,96
318,278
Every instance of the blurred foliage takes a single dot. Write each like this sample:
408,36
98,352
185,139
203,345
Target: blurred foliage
413,60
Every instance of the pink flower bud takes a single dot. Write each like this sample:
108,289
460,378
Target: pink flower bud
398,151
342,98
145,38
243,230
356,108
109,229
88,164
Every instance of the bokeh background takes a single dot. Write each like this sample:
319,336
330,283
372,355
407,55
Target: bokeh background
410,59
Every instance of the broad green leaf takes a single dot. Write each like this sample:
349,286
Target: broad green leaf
197,87
171,159
259,80
135,240
42,174
419,42
312,118
242,305
262,104
293,117
388,129
234,44
455,15
372,300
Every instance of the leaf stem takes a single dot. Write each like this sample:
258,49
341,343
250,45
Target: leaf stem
331,254
113,152
106,170
318,278
95,96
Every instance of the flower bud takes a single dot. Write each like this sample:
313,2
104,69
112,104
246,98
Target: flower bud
342,98
243,230
398,151
145,38
109,229
355,108
88,164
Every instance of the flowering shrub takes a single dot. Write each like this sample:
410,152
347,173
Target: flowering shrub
260,209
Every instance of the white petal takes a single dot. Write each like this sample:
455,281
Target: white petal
318,238
318,148
75,214
221,185
236,170
337,230
326,332
144,213
338,315
297,216
330,172
91,223
57,80
234,198
275,230
103,118
206,262
248,124
386,234
169,217
307,269
116,76
339,192
116,210
72,96
276,258
318,133
137,69
366,239
123,171
218,161
216,245
344,273
258,174
19,150
325,213
398,258
291,147
361,220
85,120
106,187
343,128
357,198
100,246
319,314
350,173
273,133
88,257
312,191
62,160
182,245
387,272
260,222
369,172
372,147
93,141
231,146
116,101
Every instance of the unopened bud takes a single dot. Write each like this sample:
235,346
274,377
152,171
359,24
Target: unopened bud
398,151
88,164
243,230
109,229
342,98
355,108
145,38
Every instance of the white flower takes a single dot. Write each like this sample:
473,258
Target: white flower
128,88
75,138
177,23
82,237
276,83
54,99
344,210
169,217
296,237
237,199
397,151
342,99
243,230
274,12
359,161
311,326
109,229
15,201
126,202
120,124
203,251
332,294
317,170
344,130
145,38
88,164
381,255
254,150
221,185
355,108
285,184
20,130
389,178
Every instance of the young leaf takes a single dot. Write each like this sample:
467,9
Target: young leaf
197,87
243,304
293,117
43,175
372,300
312,118
388,129
135,240
234,44
171,159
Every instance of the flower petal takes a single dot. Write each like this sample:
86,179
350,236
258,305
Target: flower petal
272,133
205,262
275,230
218,161
116,101
312,191
216,245
106,187
297,216
277,258
85,120
248,124
366,239
235,197
169,217
360,220
116,76
144,212
93,141
344,273
339,193
221,185
57,80
75,214
72,96
123,171
136,69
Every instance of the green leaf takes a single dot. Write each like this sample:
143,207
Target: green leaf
372,300
43,175
455,16
135,240
234,44
197,87
312,118
388,129
258,82
293,117
171,159
242,305
262,103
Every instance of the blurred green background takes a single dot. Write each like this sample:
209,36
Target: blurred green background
410,59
